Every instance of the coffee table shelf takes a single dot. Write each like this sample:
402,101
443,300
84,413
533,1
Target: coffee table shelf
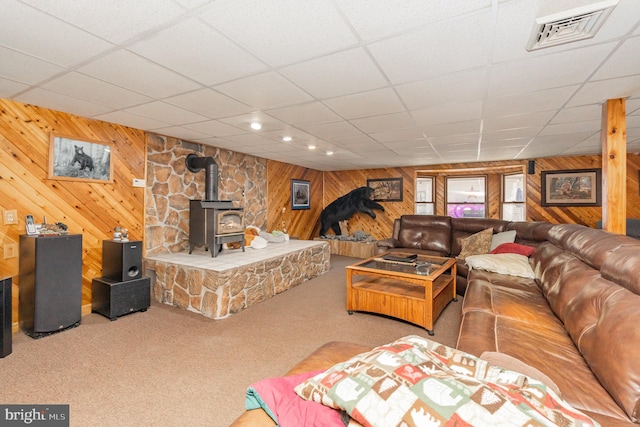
400,292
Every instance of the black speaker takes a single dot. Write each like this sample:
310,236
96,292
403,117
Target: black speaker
121,261
113,298
5,317
50,298
531,167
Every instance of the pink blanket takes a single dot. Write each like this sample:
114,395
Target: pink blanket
286,408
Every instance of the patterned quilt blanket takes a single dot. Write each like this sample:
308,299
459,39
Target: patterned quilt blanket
417,382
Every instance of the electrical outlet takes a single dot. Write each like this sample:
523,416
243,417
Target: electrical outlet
10,250
9,217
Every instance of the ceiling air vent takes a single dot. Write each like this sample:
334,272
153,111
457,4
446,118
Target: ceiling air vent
571,25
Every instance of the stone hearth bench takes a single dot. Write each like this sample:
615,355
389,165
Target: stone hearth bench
234,280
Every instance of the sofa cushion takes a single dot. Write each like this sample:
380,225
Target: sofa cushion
509,264
514,248
502,237
426,232
476,244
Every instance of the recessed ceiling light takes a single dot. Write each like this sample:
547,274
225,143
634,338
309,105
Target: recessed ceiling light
286,138
311,147
329,153
256,125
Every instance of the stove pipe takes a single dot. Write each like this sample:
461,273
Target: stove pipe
195,163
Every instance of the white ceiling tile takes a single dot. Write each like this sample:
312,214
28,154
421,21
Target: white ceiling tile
282,31
180,132
9,88
600,91
132,120
623,18
60,102
195,50
511,133
215,128
115,20
448,113
398,135
528,102
130,71
511,144
470,139
244,121
311,113
25,69
373,20
624,61
452,129
264,91
384,123
514,121
545,72
503,153
85,87
366,104
571,128
453,88
342,73
426,54
330,131
209,103
578,114
166,113
33,32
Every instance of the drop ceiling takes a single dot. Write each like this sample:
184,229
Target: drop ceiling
379,83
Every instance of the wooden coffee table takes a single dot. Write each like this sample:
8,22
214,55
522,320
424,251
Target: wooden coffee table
401,290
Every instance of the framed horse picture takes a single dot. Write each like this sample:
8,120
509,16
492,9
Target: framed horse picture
79,159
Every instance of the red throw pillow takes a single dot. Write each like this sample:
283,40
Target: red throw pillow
514,248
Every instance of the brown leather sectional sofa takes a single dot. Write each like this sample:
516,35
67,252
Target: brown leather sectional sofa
442,236
578,321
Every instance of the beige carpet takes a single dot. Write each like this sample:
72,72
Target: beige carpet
170,367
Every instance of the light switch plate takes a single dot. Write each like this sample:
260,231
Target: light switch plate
138,182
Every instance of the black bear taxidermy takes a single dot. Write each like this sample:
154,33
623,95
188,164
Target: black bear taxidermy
344,207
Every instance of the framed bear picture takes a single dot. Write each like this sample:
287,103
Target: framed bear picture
79,159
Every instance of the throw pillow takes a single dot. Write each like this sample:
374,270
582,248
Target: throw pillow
503,360
504,237
416,382
509,264
514,248
476,244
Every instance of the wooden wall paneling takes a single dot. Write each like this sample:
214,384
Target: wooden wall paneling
299,223
92,209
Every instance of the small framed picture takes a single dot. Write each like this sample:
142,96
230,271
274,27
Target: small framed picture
79,160
386,189
300,194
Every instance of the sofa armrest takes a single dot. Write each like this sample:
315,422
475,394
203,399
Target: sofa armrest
386,244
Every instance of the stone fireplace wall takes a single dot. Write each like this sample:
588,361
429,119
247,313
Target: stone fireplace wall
170,185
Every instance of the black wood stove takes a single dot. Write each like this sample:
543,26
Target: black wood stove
212,222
